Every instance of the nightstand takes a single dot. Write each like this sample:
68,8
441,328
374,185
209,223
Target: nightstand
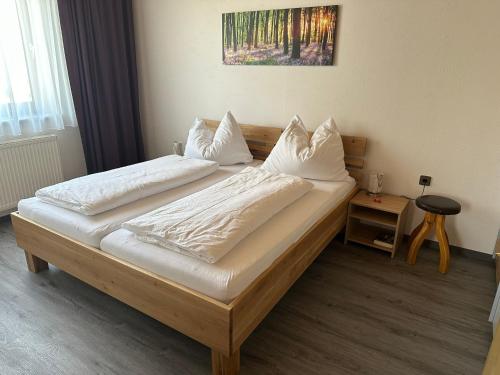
369,216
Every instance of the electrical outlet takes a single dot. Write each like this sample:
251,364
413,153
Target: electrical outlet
425,180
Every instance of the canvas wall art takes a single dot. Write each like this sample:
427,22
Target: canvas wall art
294,36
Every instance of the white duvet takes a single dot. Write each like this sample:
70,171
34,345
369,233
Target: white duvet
100,192
208,224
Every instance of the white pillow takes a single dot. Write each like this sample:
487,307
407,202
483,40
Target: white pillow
321,158
227,146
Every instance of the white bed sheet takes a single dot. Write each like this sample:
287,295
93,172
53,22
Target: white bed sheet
227,278
91,229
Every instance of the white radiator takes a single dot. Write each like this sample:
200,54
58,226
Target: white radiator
27,165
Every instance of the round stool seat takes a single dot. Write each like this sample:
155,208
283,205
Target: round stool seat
438,205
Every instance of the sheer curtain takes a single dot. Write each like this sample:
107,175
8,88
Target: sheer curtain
35,94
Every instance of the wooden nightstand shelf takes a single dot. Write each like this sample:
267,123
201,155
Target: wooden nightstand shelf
367,218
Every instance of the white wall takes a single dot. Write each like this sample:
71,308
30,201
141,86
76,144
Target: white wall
419,78
71,150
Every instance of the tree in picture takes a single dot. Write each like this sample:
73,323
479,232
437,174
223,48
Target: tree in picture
296,36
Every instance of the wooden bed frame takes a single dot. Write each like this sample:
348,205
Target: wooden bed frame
223,327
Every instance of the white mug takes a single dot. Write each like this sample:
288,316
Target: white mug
177,148
375,181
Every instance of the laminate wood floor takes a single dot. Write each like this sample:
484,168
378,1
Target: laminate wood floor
354,311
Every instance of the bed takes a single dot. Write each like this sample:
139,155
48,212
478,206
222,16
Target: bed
228,277
222,325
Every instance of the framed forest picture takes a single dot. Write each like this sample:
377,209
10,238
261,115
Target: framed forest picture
294,36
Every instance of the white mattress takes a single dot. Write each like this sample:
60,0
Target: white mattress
227,278
91,229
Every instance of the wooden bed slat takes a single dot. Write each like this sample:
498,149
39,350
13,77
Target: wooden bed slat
354,146
353,162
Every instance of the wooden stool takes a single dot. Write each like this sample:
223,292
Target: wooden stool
436,208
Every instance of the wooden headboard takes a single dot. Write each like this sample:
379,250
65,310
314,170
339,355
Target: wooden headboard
261,140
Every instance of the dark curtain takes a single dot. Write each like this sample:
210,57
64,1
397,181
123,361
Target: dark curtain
99,45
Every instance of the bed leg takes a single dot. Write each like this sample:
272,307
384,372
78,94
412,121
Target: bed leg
35,264
223,365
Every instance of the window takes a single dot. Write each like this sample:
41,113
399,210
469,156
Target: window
35,95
